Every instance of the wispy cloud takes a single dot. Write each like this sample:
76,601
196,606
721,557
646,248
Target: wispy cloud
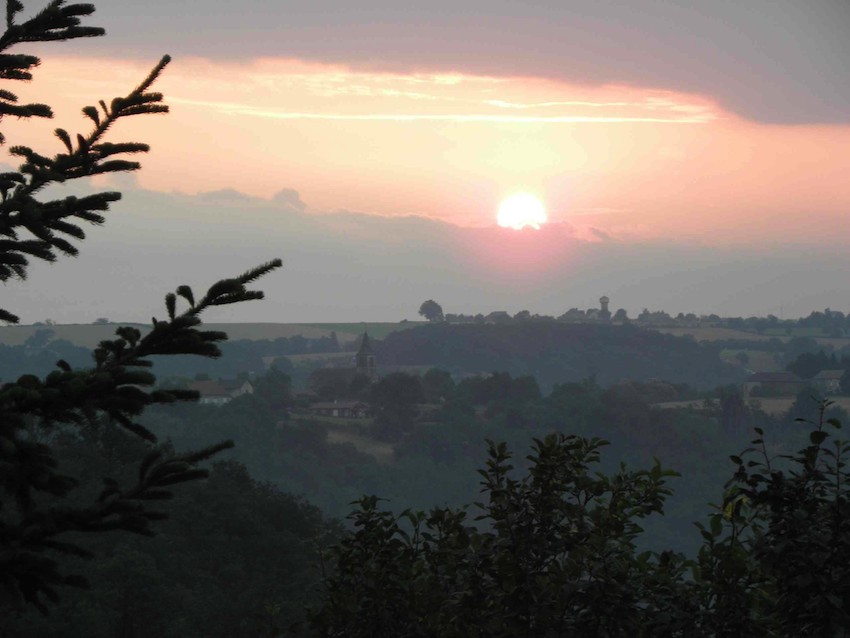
327,92
231,108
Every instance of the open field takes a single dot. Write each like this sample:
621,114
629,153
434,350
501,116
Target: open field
313,357
89,335
713,333
759,360
354,431
780,405
383,452
376,330
772,406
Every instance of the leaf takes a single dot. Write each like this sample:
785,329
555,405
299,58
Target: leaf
716,525
818,436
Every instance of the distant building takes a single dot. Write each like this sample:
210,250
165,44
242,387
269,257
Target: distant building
773,384
604,313
237,387
364,360
220,392
828,381
342,409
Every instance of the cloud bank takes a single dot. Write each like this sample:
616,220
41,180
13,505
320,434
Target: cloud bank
773,61
346,266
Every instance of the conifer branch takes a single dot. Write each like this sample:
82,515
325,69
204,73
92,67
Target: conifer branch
120,385
90,156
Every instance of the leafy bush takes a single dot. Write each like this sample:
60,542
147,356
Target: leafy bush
553,553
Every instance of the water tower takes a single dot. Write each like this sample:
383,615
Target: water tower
604,313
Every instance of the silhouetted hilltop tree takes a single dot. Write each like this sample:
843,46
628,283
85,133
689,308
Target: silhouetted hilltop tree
38,513
431,310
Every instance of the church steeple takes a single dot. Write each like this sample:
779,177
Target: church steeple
364,360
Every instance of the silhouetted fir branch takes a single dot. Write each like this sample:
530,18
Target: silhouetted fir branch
91,155
33,513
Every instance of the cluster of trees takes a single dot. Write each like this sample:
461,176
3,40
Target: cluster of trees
554,551
39,353
435,426
808,364
556,352
832,323
235,557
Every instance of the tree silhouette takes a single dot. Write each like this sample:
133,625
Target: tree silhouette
431,310
38,506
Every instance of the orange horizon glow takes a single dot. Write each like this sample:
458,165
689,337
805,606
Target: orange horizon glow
630,162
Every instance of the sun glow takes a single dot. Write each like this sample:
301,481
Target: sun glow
521,210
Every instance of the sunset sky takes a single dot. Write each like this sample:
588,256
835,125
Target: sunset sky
689,159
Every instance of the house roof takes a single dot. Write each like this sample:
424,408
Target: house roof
234,384
209,388
829,375
774,377
346,405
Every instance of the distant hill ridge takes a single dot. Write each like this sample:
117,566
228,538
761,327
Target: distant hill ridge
89,335
560,352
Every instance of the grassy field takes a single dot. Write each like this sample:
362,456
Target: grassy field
780,405
714,333
382,452
759,360
314,357
354,431
89,335
773,406
377,330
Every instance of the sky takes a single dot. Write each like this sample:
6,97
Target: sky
690,156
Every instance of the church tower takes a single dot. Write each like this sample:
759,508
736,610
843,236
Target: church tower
364,360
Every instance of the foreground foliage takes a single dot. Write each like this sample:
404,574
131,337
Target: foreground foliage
236,557
37,513
553,553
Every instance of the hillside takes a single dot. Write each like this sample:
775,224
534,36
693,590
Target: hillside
89,335
560,352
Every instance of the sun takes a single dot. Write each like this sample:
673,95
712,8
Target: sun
521,210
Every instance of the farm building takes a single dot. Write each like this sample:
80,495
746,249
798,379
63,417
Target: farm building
220,392
785,384
828,381
342,409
